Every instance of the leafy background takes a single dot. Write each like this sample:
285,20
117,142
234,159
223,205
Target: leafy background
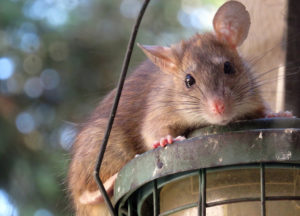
57,59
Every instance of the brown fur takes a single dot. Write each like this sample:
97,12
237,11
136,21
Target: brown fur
154,104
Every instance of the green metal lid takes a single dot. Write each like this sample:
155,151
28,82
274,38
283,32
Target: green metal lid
262,140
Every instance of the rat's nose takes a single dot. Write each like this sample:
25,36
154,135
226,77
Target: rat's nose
218,106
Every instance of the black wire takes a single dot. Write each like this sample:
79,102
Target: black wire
115,106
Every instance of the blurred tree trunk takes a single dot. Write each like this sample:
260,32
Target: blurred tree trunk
292,93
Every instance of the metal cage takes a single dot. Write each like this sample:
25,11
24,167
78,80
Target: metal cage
223,170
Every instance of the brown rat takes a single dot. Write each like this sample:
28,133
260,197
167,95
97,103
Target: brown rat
191,84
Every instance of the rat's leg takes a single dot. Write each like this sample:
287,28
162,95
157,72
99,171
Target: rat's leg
286,114
155,137
95,197
160,130
167,140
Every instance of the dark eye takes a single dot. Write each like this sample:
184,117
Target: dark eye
189,80
228,68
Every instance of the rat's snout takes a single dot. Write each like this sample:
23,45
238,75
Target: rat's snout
218,106
218,111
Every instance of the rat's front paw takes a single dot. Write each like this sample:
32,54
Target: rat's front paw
285,114
167,140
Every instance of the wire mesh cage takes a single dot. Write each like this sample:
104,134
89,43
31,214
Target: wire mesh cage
245,168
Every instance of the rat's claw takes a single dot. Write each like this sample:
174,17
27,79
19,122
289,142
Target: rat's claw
179,138
163,141
156,144
170,139
167,140
286,114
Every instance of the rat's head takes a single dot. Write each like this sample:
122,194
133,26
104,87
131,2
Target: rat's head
212,82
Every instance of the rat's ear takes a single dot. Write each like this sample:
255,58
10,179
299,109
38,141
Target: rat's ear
95,197
162,57
231,23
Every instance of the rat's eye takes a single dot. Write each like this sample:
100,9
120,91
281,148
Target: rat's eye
228,68
189,80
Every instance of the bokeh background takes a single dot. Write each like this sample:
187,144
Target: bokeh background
58,58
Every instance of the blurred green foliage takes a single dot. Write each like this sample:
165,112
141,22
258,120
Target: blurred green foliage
57,59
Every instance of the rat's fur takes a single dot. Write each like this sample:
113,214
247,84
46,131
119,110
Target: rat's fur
155,103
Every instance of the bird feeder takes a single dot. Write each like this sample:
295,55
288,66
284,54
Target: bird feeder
246,168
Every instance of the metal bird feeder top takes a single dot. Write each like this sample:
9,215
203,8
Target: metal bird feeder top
244,153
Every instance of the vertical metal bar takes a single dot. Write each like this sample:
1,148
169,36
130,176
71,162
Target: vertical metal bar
200,193
155,199
262,190
292,83
115,106
203,192
129,209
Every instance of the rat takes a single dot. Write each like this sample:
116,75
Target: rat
191,84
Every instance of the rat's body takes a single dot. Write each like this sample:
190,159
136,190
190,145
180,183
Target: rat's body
194,83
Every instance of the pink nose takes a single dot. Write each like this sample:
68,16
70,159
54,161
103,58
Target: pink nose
218,106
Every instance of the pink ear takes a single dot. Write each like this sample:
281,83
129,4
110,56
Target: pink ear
95,197
231,23
161,56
